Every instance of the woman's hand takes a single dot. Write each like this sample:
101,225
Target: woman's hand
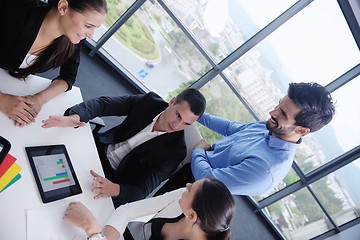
18,109
63,121
103,186
80,216
36,102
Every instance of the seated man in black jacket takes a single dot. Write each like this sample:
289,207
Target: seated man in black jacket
142,151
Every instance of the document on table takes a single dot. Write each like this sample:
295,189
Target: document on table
50,225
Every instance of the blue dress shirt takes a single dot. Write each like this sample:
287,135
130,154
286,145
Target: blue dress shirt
248,160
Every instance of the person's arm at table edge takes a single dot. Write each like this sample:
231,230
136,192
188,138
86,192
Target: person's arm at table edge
109,232
127,212
153,178
130,211
89,223
105,106
81,216
56,87
97,107
69,69
17,108
81,113
60,84
72,120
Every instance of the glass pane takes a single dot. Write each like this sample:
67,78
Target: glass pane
223,25
298,216
290,55
115,9
340,194
215,92
155,51
347,117
315,45
334,139
289,179
255,84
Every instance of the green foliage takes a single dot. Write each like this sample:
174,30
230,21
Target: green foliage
307,207
115,9
275,209
214,48
290,178
178,90
133,34
157,19
327,197
230,109
300,157
215,92
210,136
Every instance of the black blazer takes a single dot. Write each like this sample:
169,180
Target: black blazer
20,21
147,165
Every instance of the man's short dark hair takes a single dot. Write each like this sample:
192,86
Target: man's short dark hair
315,102
195,100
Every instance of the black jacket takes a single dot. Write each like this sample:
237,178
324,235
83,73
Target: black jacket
20,21
147,165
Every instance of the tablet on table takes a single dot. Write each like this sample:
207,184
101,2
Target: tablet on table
53,172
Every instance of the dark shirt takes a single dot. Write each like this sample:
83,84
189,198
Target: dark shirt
158,223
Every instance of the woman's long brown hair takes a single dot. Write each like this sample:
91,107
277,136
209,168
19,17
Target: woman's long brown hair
61,48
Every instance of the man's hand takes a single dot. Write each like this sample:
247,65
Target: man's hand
17,109
203,144
63,121
80,216
103,186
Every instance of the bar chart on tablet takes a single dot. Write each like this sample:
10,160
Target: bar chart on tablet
53,172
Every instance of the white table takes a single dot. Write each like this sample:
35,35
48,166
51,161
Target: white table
23,194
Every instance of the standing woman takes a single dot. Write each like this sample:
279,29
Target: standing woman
202,211
38,35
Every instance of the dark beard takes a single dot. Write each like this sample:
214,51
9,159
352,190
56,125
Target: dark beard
278,130
270,128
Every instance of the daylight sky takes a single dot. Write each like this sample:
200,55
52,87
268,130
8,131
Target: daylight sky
316,45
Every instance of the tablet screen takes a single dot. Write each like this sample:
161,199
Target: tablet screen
53,172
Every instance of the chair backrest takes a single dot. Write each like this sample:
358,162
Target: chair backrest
192,137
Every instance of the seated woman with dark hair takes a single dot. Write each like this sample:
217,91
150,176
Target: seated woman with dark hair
202,210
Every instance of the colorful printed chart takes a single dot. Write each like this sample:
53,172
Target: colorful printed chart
9,172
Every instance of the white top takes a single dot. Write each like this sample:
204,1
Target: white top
116,152
28,60
166,205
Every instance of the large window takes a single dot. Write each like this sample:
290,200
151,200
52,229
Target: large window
339,193
155,51
222,25
346,127
296,52
242,55
233,109
115,9
299,216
